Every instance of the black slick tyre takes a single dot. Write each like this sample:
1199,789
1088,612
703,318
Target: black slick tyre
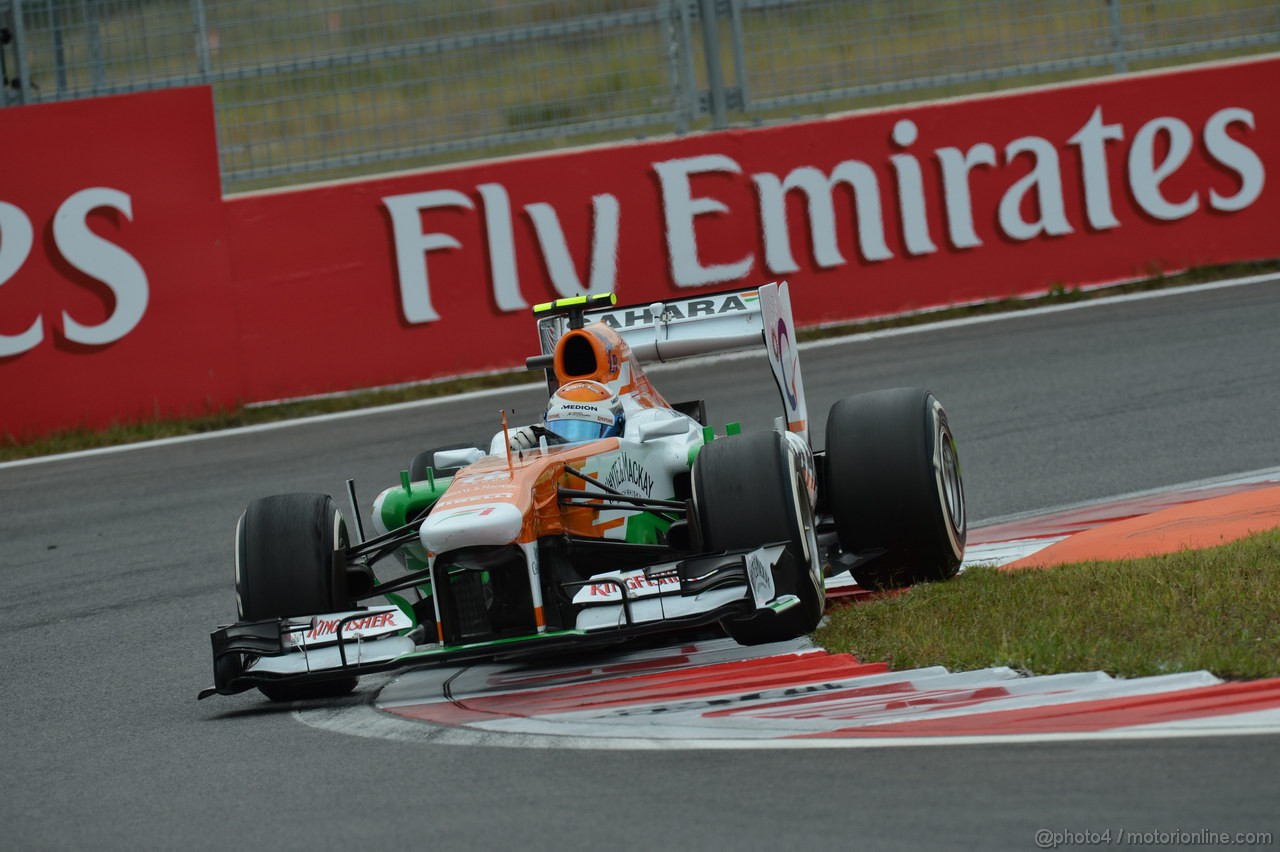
285,567
894,487
748,493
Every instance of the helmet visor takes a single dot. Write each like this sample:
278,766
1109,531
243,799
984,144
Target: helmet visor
579,430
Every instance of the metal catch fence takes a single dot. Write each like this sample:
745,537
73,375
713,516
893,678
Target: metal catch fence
306,89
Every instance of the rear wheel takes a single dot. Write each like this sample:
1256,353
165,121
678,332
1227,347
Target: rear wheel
894,487
748,492
285,568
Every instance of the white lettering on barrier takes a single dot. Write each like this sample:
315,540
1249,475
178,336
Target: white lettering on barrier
1043,185
1046,179
16,239
1091,141
99,259
604,247
955,190
502,247
819,190
1032,206
1145,176
680,208
1234,156
86,252
915,228
412,245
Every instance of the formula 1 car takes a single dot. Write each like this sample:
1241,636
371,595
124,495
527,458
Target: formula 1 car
656,522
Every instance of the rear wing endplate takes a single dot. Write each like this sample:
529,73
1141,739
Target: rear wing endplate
706,324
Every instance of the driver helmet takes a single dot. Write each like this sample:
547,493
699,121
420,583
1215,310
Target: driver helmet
584,411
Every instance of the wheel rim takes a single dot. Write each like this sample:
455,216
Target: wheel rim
239,568
950,486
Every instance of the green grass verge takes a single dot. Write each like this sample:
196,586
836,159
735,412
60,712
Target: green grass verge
1216,609
15,447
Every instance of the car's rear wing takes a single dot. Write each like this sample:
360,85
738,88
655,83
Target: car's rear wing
704,324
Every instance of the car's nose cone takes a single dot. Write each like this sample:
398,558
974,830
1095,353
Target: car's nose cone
485,524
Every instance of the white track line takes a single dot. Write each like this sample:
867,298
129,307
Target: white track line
268,427
1270,277
1244,478
814,344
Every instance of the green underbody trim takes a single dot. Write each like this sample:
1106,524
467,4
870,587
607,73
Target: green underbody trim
784,604
414,500
404,606
646,528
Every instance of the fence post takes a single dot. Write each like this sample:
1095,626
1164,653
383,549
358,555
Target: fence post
739,97
680,64
202,39
59,49
1117,36
715,74
6,38
20,48
93,30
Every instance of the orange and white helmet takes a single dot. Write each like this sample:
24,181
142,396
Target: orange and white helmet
584,411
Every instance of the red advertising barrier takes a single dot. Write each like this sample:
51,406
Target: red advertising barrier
115,301
431,273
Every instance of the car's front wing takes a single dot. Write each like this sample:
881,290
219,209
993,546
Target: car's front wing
613,606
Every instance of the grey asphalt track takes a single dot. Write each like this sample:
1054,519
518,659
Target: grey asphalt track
116,567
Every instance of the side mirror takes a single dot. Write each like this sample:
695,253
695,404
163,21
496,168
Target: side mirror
446,459
663,428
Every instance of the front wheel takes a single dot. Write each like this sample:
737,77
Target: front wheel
894,487
749,492
285,567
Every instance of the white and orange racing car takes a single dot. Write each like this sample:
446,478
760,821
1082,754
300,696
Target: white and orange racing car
618,515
